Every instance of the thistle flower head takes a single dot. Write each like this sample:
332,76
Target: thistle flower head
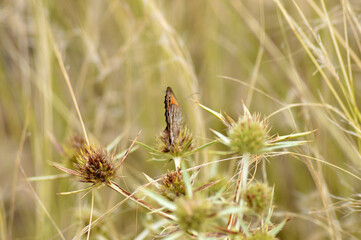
248,135
192,214
183,142
172,185
258,197
92,165
95,165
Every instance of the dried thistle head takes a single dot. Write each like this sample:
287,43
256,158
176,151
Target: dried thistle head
182,142
172,185
92,165
95,165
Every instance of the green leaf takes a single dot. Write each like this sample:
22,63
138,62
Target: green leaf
148,147
115,142
78,191
281,145
201,147
277,229
290,136
216,114
121,154
186,180
225,140
161,200
47,177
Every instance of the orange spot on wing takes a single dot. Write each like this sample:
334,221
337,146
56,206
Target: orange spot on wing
173,101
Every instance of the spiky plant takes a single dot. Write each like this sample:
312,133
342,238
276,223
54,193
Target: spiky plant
93,165
248,135
193,214
183,142
172,185
257,197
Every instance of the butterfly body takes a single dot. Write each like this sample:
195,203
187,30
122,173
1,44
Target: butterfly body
173,118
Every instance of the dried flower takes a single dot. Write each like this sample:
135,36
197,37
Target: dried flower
93,165
172,185
181,143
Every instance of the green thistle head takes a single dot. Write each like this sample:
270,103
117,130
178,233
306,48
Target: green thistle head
193,214
258,197
248,135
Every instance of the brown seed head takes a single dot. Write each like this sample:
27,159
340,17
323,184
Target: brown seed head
95,165
173,185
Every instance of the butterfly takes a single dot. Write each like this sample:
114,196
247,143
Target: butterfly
173,118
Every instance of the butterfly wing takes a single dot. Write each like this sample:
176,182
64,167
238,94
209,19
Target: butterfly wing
173,117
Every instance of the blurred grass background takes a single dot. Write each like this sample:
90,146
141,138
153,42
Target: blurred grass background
301,56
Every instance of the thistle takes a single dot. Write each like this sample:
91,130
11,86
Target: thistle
258,197
248,135
172,185
93,165
193,214
181,144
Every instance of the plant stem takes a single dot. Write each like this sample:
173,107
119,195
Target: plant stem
146,205
177,162
91,215
240,187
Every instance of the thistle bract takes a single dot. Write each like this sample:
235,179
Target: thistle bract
248,135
